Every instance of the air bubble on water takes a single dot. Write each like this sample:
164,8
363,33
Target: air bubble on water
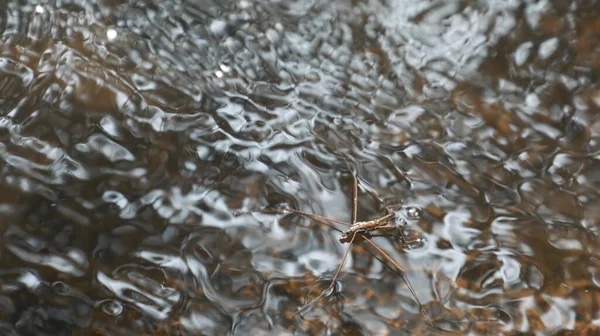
401,221
112,307
413,213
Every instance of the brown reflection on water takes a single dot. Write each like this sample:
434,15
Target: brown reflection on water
131,132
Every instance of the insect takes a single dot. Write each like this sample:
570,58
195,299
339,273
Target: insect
358,231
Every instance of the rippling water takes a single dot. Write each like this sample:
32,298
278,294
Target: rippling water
132,131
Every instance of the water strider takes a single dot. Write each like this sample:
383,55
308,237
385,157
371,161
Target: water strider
359,231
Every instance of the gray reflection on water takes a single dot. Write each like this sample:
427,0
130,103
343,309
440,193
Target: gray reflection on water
130,132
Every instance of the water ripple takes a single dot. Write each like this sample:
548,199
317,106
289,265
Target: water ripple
131,132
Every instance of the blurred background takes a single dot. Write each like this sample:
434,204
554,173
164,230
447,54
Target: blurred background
132,131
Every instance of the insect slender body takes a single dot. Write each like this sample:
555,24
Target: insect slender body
367,227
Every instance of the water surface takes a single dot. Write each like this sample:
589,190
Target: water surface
132,131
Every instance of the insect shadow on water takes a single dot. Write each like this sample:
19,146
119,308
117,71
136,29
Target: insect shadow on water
356,232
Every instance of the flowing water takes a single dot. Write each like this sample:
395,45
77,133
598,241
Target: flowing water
132,131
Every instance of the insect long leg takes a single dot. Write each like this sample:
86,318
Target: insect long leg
334,279
394,235
354,198
283,210
280,211
387,234
402,273
318,217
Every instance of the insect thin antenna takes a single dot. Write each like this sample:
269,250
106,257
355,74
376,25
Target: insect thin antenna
403,276
334,279
283,210
354,197
318,217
